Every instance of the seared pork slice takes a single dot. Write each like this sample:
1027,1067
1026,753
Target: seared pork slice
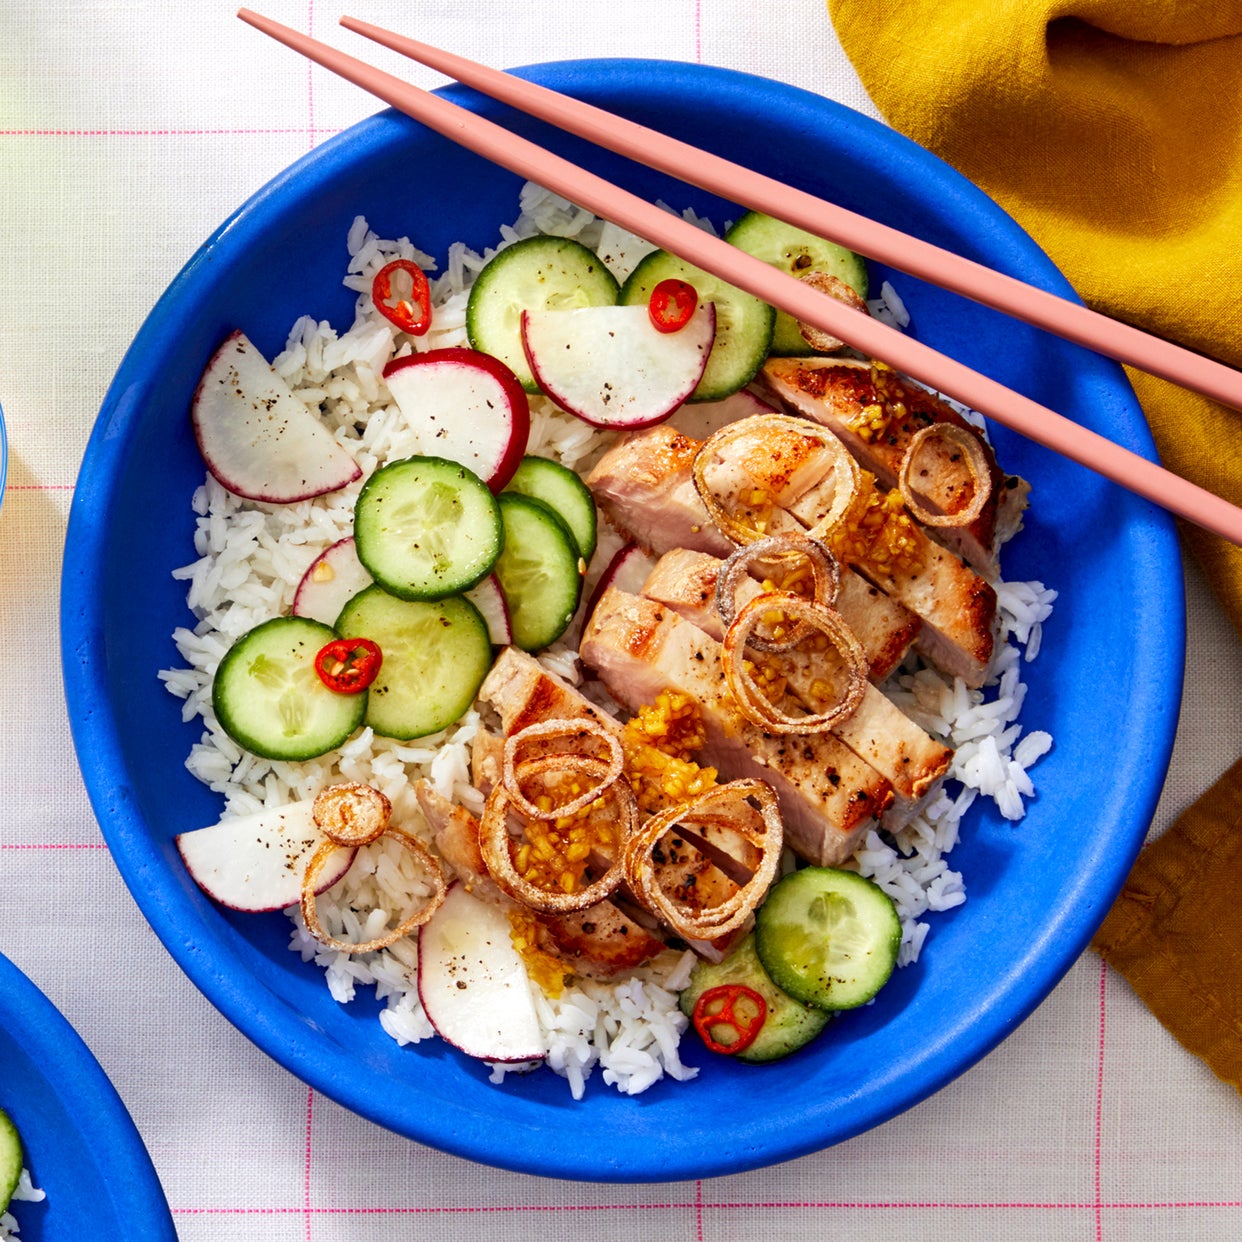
829,798
644,484
878,732
456,834
645,487
524,693
877,425
957,605
486,761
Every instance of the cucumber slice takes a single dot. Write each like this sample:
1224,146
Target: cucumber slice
426,527
11,1159
743,322
540,571
827,937
794,250
436,654
564,493
536,273
269,699
789,1024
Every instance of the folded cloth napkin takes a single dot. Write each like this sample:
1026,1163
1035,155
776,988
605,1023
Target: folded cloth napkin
1112,131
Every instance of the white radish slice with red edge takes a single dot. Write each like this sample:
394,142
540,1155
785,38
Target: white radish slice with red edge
628,571
701,419
472,983
611,367
255,862
331,580
489,598
256,437
465,406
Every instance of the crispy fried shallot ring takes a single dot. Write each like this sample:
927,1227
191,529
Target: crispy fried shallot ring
546,729
825,575
846,474
753,703
834,287
495,842
744,800
353,815
976,461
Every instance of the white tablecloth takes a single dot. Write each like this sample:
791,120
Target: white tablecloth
127,133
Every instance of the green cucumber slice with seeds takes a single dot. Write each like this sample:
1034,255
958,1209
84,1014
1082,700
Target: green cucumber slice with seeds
789,1024
536,273
426,528
436,654
794,250
828,937
540,571
11,1159
564,493
269,699
743,322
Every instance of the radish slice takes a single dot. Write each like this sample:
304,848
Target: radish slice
472,983
489,598
256,862
333,578
611,367
628,571
700,419
256,437
465,406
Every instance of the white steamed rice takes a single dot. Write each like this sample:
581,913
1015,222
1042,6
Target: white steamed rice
25,1192
250,557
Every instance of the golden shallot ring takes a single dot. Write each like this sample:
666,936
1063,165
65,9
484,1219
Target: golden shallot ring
554,729
310,915
976,462
688,921
825,575
351,813
834,287
494,845
753,704
846,473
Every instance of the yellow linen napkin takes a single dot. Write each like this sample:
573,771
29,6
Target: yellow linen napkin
1112,131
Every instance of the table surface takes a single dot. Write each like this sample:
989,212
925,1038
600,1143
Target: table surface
127,133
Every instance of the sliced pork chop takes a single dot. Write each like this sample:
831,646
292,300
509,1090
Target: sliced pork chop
829,797
877,427
645,486
878,732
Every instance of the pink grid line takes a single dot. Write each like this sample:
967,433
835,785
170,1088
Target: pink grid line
159,133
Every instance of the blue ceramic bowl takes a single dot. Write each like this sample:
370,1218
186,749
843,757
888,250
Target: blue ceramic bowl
81,1147
1107,685
4,455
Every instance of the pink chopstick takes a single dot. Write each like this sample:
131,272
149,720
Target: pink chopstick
865,334
1049,311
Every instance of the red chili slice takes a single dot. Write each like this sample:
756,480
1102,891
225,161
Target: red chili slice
717,1012
672,304
348,665
411,314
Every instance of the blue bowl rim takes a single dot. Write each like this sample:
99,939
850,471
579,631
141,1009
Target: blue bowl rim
71,1075
98,746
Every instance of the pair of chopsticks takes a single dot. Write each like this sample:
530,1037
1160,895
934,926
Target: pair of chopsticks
749,189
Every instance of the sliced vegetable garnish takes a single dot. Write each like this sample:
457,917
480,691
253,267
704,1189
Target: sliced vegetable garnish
846,475
756,706
836,288
958,450
784,550
409,310
729,1017
746,807
672,304
348,665
354,815
550,730
554,856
